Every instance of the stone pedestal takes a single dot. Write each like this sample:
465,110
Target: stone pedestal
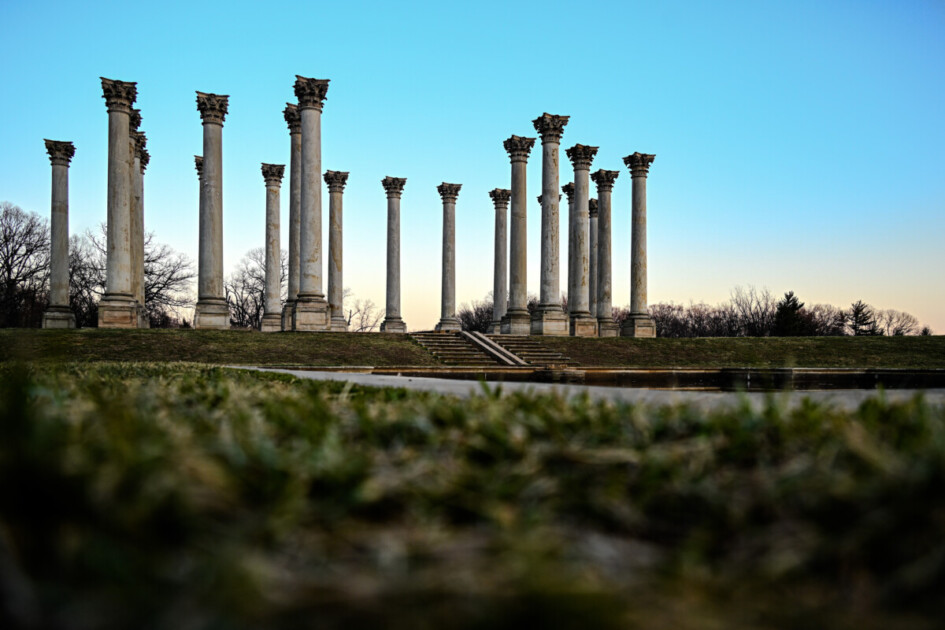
394,186
500,272
517,320
211,311
606,326
448,320
294,121
117,308
582,324
639,323
59,315
336,187
272,317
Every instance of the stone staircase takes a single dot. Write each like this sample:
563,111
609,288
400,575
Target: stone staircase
454,349
531,350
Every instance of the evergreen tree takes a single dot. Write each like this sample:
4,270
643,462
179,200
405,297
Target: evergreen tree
862,320
790,319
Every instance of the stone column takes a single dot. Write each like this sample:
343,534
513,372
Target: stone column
392,322
638,323
448,320
211,311
141,159
59,315
592,257
294,121
606,327
336,187
272,318
311,309
500,271
117,309
581,322
550,319
517,320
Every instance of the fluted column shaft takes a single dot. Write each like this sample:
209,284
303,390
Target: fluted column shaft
336,186
58,315
448,320
592,257
500,270
392,320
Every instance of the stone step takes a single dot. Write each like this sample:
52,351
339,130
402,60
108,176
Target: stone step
453,349
531,350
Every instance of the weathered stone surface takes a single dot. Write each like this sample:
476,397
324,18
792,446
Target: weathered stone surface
448,320
517,320
639,323
592,256
582,324
606,327
336,186
141,157
58,314
500,296
294,120
272,318
394,186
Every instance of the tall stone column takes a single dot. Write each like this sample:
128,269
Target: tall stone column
606,327
294,121
211,311
448,320
118,309
58,314
592,257
392,322
141,159
500,269
569,191
272,318
336,187
311,310
581,322
638,323
517,320
550,319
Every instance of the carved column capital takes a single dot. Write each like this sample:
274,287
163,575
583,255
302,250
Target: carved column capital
550,127
604,179
59,152
592,207
519,147
581,156
273,173
119,95
292,118
449,192
500,197
134,121
198,163
569,191
145,159
311,92
639,163
212,107
394,185
141,143
336,180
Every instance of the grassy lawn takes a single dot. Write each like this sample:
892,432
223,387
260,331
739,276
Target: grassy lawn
175,495
212,346
833,352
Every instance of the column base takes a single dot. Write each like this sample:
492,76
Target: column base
271,322
311,315
212,314
448,324
58,317
117,310
516,323
144,320
287,312
549,320
638,325
582,325
495,328
339,324
393,325
607,328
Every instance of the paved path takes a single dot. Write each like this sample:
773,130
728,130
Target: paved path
842,398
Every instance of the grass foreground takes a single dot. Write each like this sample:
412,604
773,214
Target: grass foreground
175,495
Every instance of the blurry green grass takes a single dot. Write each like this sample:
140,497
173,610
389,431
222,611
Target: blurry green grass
176,495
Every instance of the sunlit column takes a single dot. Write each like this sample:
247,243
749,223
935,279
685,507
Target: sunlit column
592,256
606,327
500,269
638,323
272,319
581,322
448,320
336,187
517,320
294,121
392,322
58,314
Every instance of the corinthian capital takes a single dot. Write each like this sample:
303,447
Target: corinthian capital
500,197
639,163
336,180
519,147
394,185
569,191
550,127
592,207
60,152
273,173
581,156
145,160
119,95
134,121
310,92
292,118
604,179
212,107
449,192
198,162
141,143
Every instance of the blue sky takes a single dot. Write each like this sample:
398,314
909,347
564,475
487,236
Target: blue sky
799,145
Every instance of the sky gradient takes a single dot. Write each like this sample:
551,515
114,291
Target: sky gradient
799,146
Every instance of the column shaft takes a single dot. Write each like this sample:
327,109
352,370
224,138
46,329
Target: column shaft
310,218
550,243
272,319
604,263
58,314
582,324
118,257
295,207
500,270
392,320
638,323
517,320
336,183
593,270
448,319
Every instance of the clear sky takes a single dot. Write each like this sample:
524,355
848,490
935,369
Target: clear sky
800,145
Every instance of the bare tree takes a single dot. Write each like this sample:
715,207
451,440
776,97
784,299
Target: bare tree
477,315
362,315
827,320
756,310
24,266
86,280
896,323
246,288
